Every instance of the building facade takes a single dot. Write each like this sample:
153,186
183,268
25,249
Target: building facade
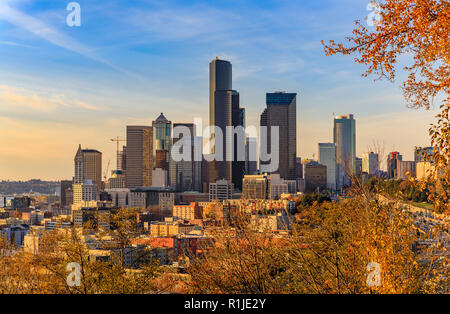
139,156
370,164
281,112
327,157
315,176
185,170
221,190
88,166
345,141
255,187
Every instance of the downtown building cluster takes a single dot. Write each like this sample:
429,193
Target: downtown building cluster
178,199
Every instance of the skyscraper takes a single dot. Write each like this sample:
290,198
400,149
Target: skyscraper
139,156
251,155
238,163
327,157
370,163
162,137
186,175
225,112
220,79
345,141
393,164
315,176
65,185
281,111
88,166
79,166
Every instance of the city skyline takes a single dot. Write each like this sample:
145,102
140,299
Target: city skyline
69,106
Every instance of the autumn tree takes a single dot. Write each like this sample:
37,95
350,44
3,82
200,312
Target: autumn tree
46,270
418,29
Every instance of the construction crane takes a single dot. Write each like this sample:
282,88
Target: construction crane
117,140
105,174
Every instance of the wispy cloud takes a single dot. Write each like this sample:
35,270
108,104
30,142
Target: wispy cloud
12,97
11,43
53,36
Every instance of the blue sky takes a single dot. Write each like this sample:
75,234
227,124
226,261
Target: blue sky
61,86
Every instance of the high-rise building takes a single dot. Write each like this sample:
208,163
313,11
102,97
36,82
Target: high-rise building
406,169
392,164
139,156
79,166
327,157
64,186
221,190
358,167
298,168
345,141
370,163
88,166
281,111
315,176
122,159
159,178
225,112
220,79
255,187
279,186
239,139
251,156
162,137
425,170
186,174
84,192
162,159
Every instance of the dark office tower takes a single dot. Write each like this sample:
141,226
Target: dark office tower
345,140
139,156
393,164
251,156
239,138
228,114
65,185
358,166
123,161
186,175
298,168
220,79
220,74
281,111
225,111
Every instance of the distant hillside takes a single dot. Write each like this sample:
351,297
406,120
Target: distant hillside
19,187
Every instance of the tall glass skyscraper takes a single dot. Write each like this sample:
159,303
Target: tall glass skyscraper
220,79
345,141
281,111
225,111
162,132
370,163
186,175
327,157
162,139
